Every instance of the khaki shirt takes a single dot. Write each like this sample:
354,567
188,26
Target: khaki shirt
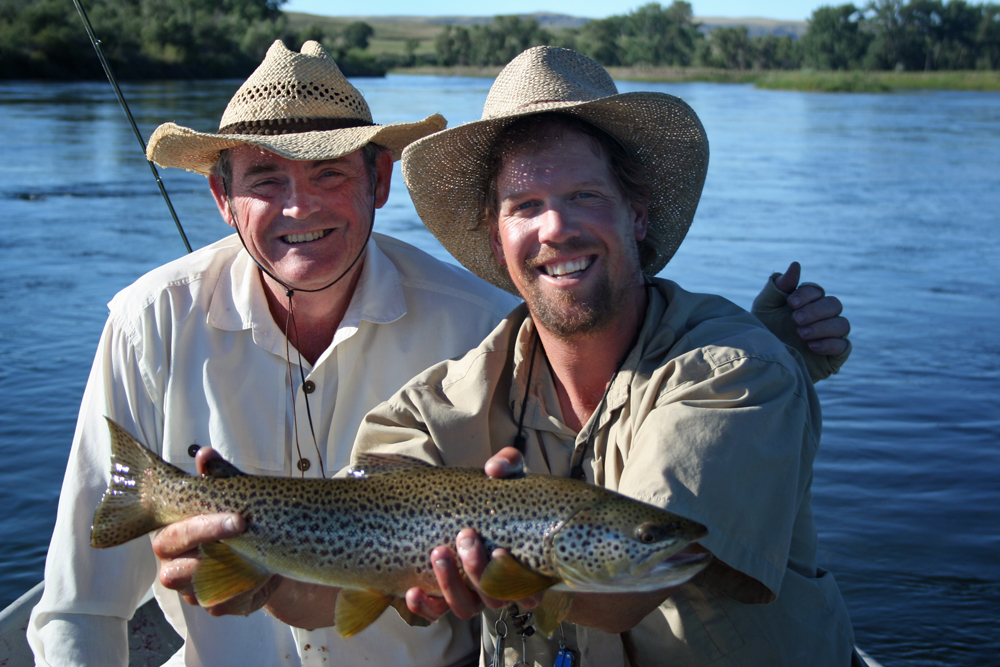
710,417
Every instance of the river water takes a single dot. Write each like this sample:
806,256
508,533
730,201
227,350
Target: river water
890,201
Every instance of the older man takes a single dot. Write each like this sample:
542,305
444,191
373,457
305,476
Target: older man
269,345
574,196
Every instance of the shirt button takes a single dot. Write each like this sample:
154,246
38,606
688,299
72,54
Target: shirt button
193,449
309,386
304,464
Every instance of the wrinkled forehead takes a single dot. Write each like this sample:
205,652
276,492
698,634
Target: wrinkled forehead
248,159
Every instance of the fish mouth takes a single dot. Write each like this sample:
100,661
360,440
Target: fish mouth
305,237
651,573
670,568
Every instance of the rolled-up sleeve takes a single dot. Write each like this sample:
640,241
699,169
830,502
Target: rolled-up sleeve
730,446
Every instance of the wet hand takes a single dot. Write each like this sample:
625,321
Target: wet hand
177,548
461,594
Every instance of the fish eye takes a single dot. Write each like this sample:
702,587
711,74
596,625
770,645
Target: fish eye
649,533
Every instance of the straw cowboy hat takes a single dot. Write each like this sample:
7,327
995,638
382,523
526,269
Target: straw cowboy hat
445,172
297,105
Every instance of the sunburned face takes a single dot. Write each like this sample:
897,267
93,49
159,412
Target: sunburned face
305,222
567,235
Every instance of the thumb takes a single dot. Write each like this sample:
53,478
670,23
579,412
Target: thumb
789,280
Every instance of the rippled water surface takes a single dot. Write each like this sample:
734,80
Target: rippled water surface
890,201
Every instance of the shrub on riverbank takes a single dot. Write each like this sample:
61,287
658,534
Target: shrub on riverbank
160,39
227,38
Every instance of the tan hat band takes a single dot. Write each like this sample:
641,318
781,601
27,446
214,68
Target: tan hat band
291,125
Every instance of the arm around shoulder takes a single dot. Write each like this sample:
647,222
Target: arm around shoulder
806,320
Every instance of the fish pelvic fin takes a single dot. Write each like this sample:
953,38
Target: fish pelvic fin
413,620
121,516
506,578
357,609
552,611
222,574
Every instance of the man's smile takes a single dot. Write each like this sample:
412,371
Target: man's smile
305,237
567,269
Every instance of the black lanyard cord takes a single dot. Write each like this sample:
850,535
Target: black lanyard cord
290,324
576,468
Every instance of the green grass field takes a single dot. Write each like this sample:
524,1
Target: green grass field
391,35
802,80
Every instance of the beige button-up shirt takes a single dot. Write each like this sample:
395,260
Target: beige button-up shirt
710,417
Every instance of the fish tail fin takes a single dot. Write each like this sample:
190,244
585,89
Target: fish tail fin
121,516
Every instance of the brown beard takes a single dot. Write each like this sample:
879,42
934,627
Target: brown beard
565,315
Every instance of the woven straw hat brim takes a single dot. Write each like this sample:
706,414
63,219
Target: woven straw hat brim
445,173
172,145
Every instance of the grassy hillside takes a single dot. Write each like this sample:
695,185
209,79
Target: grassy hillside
391,32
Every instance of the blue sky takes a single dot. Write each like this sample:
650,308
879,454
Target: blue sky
773,9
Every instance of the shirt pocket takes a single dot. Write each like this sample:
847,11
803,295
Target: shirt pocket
245,438
690,628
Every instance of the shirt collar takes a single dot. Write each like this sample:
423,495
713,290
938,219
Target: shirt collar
539,400
543,411
239,303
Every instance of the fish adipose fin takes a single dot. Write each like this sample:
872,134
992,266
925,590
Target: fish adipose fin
370,465
222,574
505,578
120,516
552,611
357,609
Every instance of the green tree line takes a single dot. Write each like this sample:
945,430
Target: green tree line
228,38
882,35
45,39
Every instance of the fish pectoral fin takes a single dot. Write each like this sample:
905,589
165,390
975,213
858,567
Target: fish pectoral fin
506,578
357,609
222,574
553,609
413,620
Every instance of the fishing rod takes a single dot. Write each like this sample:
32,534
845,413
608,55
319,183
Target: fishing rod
121,99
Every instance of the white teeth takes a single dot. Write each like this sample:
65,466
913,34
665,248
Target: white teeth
565,268
303,238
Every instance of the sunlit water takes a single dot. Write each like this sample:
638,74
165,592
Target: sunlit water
891,201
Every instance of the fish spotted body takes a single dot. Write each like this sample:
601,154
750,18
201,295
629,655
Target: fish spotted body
372,533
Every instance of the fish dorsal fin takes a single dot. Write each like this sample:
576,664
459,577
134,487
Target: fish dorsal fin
370,465
357,609
506,578
553,609
222,574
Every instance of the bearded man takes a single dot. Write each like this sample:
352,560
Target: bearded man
574,197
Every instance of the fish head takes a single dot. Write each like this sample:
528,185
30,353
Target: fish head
622,545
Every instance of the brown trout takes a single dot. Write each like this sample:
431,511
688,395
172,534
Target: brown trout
372,533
